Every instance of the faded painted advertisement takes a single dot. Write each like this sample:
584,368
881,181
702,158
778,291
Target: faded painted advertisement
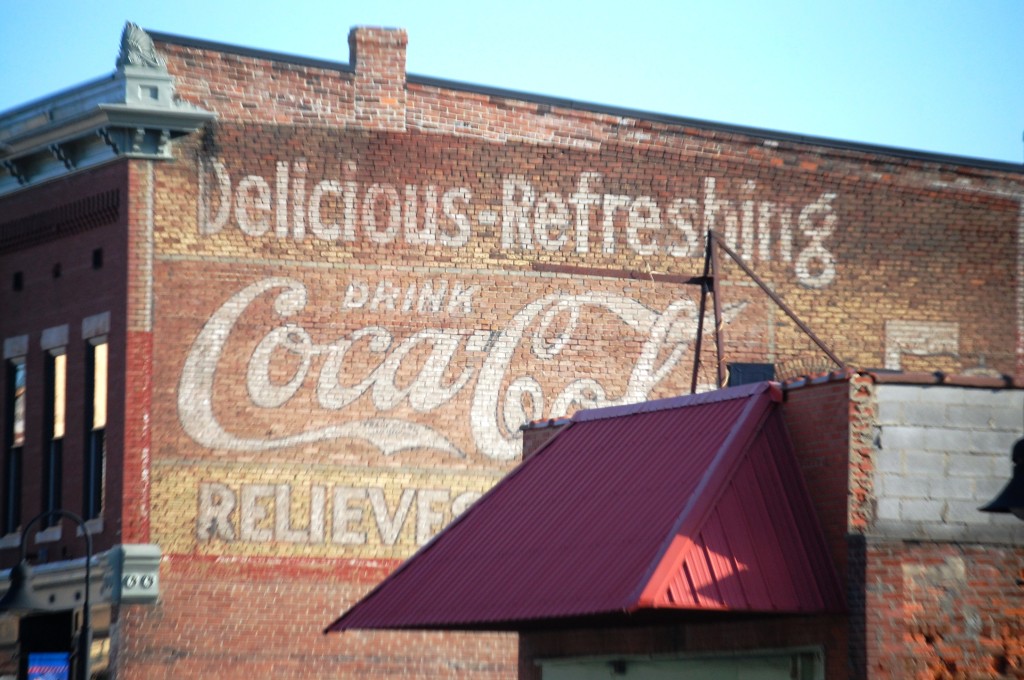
368,329
283,510
405,394
501,396
528,216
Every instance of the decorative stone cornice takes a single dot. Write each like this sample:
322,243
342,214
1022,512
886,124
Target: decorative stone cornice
133,112
125,574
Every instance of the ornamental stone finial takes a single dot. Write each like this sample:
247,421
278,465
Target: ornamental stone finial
137,49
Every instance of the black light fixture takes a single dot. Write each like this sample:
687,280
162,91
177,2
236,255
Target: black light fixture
21,598
1011,498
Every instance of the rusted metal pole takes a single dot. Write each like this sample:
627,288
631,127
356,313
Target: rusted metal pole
716,298
770,293
704,287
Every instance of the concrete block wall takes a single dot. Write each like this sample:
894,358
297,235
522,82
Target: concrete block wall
941,452
943,580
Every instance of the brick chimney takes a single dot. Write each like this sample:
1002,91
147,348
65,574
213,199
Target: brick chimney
378,58
538,433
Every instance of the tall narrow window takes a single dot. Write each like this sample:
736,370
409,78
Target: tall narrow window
53,461
14,441
96,427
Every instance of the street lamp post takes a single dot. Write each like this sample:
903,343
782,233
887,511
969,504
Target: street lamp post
22,599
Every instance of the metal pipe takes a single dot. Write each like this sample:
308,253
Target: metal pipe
704,288
775,298
717,300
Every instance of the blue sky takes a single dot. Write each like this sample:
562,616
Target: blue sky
939,76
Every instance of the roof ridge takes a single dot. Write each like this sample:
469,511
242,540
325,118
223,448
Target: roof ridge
712,397
705,495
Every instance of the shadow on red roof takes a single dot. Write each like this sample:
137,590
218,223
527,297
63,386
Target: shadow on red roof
692,504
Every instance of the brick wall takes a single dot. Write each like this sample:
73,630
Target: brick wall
49,238
818,420
346,295
842,234
377,302
252,619
944,610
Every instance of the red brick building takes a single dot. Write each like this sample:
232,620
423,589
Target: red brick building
328,295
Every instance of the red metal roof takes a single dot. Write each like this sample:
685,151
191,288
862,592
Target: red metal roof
693,503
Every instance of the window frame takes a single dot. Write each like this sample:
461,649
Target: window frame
96,400
15,358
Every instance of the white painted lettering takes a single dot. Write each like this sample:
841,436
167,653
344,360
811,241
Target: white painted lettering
425,360
317,504
391,211
356,294
267,510
682,214
463,501
216,503
389,524
349,195
428,234
429,300
428,518
385,296
207,226
347,520
345,210
283,530
326,231
299,200
255,511
460,302
644,215
815,266
720,215
281,190
551,222
611,204
517,197
246,204
584,201
292,340
462,227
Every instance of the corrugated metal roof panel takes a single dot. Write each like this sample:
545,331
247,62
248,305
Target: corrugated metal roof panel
759,549
684,503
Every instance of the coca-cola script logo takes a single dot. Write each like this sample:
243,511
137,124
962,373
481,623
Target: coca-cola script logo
503,396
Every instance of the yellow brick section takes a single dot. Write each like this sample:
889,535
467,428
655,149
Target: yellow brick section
244,510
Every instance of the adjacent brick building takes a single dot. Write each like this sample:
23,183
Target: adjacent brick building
726,564
330,294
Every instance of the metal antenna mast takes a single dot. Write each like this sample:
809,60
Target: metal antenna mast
709,281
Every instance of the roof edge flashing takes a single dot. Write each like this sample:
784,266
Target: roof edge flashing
712,397
842,145
254,53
